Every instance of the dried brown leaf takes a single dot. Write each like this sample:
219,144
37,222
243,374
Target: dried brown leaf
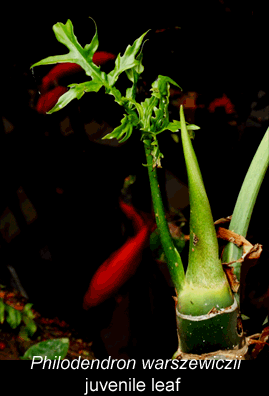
233,282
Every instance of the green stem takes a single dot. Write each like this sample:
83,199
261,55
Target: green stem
174,262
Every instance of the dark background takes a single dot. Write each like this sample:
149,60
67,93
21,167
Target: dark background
219,48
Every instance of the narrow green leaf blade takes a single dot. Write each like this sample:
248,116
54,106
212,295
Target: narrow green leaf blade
204,268
247,198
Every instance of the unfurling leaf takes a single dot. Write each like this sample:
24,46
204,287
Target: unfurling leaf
122,132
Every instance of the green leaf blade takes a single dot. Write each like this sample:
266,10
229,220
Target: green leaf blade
51,349
127,61
76,91
122,132
81,56
247,198
91,48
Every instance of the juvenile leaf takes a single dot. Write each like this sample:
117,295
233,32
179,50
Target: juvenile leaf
51,349
127,61
160,90
160,87
133,75
82,56
135,71
146,108
175,126
91,48
123,131
75,91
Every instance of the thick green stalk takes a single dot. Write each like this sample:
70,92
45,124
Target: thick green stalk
174,262
246,200
206,284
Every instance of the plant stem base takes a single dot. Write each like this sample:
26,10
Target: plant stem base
210,332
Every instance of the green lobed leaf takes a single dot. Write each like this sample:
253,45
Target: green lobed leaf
133,75
122,132
81,56
134,72
175,126
127,61
75,91
51,349
160,87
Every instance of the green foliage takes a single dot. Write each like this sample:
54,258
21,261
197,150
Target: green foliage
51,349
151,116
15,318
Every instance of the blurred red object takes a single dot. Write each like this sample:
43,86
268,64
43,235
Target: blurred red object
122,264
48,100
225,102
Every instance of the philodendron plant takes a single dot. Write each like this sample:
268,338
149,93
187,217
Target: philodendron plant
206,307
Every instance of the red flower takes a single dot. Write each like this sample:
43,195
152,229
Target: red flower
122,264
